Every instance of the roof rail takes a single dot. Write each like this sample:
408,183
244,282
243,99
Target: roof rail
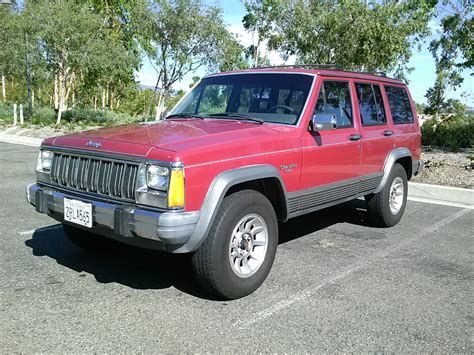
315,66
325,66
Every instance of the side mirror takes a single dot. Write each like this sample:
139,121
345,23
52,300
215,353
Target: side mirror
323,122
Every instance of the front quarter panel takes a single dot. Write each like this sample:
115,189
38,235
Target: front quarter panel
215,194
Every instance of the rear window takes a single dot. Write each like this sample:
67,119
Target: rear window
370,104
399,104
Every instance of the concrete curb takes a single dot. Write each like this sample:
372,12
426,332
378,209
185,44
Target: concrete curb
444,195
30,141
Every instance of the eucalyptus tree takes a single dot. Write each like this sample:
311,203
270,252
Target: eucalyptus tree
181,36
77,47
261,20
453,52
11,45
358,35
123,54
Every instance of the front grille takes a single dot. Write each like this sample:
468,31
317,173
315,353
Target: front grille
90,174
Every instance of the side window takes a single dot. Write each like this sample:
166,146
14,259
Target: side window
370,104
399,104
334,103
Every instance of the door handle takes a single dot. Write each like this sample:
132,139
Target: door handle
387,133
355,137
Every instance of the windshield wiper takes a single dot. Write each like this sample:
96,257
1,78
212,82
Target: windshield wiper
236,116
184,115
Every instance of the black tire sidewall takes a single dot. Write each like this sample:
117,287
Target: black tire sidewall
397,171
248,202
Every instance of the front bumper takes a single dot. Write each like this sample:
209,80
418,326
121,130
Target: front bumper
126,222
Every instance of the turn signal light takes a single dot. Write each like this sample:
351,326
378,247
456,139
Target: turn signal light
176,190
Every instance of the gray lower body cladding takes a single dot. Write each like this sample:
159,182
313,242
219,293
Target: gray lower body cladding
331,194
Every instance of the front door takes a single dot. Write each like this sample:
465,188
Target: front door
331,158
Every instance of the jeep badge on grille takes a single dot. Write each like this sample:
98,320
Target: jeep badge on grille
93,144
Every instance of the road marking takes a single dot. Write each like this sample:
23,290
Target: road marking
304,294
439,202
31,231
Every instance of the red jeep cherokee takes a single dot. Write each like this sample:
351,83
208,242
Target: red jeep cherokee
240,152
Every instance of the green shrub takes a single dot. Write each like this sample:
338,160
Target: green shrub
96,117
43,116
6,113
455,133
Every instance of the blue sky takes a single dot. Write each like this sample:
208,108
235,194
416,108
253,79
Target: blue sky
422,77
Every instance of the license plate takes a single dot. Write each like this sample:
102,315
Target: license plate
78,212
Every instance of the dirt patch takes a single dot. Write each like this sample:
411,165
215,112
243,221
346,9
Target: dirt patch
447,168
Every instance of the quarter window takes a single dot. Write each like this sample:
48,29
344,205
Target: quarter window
334,103
399,104
371,107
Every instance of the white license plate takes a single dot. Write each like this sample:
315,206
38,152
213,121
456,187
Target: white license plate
78,212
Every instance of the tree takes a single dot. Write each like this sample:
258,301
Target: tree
355,35
260,19
233,56
452,51
121,20
179,37
11,45
76,46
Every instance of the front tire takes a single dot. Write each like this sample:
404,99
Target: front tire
386,207
238,253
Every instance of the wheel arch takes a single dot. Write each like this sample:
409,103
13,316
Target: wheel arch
399,155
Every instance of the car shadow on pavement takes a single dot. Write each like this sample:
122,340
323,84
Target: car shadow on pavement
353,212
149,269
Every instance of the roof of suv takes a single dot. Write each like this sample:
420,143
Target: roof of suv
322,72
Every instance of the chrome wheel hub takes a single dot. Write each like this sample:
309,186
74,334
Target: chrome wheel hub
397,191
248,245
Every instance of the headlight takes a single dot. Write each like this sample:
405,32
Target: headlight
45,160
157,177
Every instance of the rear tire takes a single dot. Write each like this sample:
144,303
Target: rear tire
238,253
87,240
386,207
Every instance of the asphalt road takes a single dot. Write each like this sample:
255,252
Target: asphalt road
336,285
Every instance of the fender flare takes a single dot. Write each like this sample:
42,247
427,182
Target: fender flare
217,190
392,157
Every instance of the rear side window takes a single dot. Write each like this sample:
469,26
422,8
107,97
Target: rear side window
334,101
371,107
399,104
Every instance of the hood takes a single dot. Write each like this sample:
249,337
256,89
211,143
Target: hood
140,138
165,133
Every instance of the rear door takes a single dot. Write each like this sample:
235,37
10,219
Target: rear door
377,132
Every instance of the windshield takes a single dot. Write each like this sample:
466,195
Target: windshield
277,98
